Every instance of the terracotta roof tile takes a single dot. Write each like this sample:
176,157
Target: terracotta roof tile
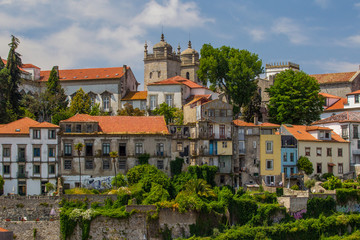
177,80
337,105
140,95
267,124
22,126
25,72
125,124
328,95
341,117
45,125
353,93
85,74
195,98
3,230
29,65
241,123
300,132
329,78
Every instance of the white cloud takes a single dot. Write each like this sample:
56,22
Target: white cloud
174,13
351,41
322,3
85,33
291,29
257,34
337,66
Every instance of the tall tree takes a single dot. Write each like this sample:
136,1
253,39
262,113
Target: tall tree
253,108
231,71
55,93
171,114
14,64
294,98
81,102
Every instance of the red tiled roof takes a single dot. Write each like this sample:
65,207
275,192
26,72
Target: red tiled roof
314,128
337,105
240,123
3,230
353,93
125,124
29,65
328,95
329,78
341,117
5,61
22,126
195,98
140,95
267,124
45,125
177,80
300,132
85,74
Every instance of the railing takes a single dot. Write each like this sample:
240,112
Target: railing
22,175
21,159
160,153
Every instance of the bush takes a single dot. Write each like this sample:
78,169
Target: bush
294,187
344,195
332,183
120,181
309,183
317,206
325,176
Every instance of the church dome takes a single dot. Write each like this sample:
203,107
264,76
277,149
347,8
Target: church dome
189,50
163,44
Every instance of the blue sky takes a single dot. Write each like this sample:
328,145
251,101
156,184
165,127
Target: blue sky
321,35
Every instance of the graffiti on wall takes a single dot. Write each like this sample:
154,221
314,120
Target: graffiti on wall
98,183
348,208
299,214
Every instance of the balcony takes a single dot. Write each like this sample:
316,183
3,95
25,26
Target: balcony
21,159
160,153
22,175
242,151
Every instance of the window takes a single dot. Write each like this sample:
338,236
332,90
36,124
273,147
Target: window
318,151
307,151
291,157
269,147
67,164
36,169
150,75
187,75
318,168
6,152
269,164
67,149
356,98
88,149
89,163
6,169
138,148
211,130
78,128
169,99
67,128
222,112
122,163
222,131
327,135
242,147
211,113
106,102
179,147
106,164
36,134
52,134
329,152
249,131
51,152
160,149
222,179
36,151
106,149
292,171
340,168
358,144
160,164
122,149
224,144
285,157
89,128
340,152
52,169
344,132
153,102
159,74
355,131
270,180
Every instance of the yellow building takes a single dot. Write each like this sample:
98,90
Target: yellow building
270,154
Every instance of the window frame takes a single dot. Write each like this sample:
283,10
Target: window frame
36,134
267,144
267,164
340,168
52,134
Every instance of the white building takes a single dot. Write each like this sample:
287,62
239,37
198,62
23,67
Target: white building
28,156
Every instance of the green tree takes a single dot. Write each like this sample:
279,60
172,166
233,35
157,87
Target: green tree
81,102
129,110
200,187
171,114
78,148
14,64
119,181
2,182
231,71
305,165
7,113
294,98
62,115
252,109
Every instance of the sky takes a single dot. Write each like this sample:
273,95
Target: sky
322,36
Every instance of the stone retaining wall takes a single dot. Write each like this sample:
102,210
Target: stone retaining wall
45,230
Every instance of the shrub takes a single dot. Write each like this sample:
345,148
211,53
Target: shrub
309,183
344,195
176,166
120,181
325,176
294,187
305,165
317,206
332,183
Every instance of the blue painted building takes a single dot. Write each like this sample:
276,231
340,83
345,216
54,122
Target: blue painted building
289,156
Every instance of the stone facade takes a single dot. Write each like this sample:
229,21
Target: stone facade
45,230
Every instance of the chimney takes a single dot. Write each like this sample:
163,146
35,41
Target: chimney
256,122
124,69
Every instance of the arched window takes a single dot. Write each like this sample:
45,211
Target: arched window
187,75
150,75
159,74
